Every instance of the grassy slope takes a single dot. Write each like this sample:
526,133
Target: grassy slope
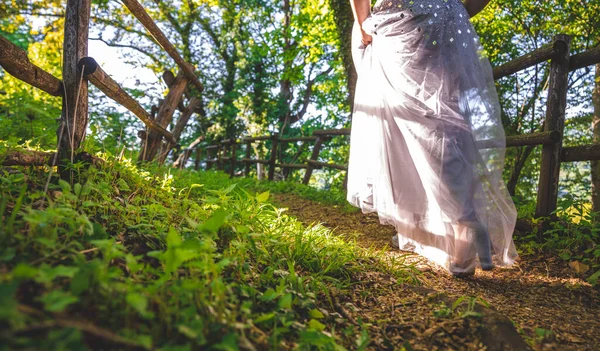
127,257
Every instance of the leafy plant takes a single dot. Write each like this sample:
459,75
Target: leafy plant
463,307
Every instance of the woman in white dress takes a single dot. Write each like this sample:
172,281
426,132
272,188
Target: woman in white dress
427,144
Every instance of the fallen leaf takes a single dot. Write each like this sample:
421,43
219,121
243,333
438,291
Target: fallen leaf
579,267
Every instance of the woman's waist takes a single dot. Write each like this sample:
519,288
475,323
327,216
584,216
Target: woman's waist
415,7
388,14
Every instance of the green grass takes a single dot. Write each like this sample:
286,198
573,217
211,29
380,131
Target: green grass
215,179
124,257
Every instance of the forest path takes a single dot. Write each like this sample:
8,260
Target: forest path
538,293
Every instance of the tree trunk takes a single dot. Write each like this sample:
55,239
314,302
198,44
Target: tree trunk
522,156
285,89
259,95
513,128
596,131
344,21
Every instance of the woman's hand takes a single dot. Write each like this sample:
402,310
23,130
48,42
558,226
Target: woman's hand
366,38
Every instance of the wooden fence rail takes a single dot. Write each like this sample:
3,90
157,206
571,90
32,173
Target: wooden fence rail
553,153
15,61
533,58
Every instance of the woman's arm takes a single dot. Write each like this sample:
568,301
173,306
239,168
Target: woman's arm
475,6
362,10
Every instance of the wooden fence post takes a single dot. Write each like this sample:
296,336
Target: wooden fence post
233,157
283,145
197,160
248,155
209,157
164,117
273,157
315,155
182,122
224,152
219,162
75,100
555,120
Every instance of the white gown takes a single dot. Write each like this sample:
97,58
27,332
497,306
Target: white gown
424,100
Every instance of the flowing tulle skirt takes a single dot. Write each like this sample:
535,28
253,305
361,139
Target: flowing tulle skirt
427,144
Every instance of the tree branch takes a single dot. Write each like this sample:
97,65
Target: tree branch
214,37
123,28
167,13
81,325
308,94
116,45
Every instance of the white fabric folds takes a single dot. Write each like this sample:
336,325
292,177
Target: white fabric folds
425,100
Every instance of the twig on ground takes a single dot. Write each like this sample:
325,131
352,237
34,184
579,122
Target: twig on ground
341,310
80,325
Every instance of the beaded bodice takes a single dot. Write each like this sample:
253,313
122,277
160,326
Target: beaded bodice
414,6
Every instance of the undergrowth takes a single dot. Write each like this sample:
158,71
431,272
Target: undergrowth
123,257
573,235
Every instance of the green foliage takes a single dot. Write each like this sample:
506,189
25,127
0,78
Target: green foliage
17,33
463,307
543,333
574,236
27,113
167,261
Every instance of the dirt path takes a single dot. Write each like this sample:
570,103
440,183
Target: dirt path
537,294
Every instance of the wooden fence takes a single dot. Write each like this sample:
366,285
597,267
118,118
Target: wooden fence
224,154
78,69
